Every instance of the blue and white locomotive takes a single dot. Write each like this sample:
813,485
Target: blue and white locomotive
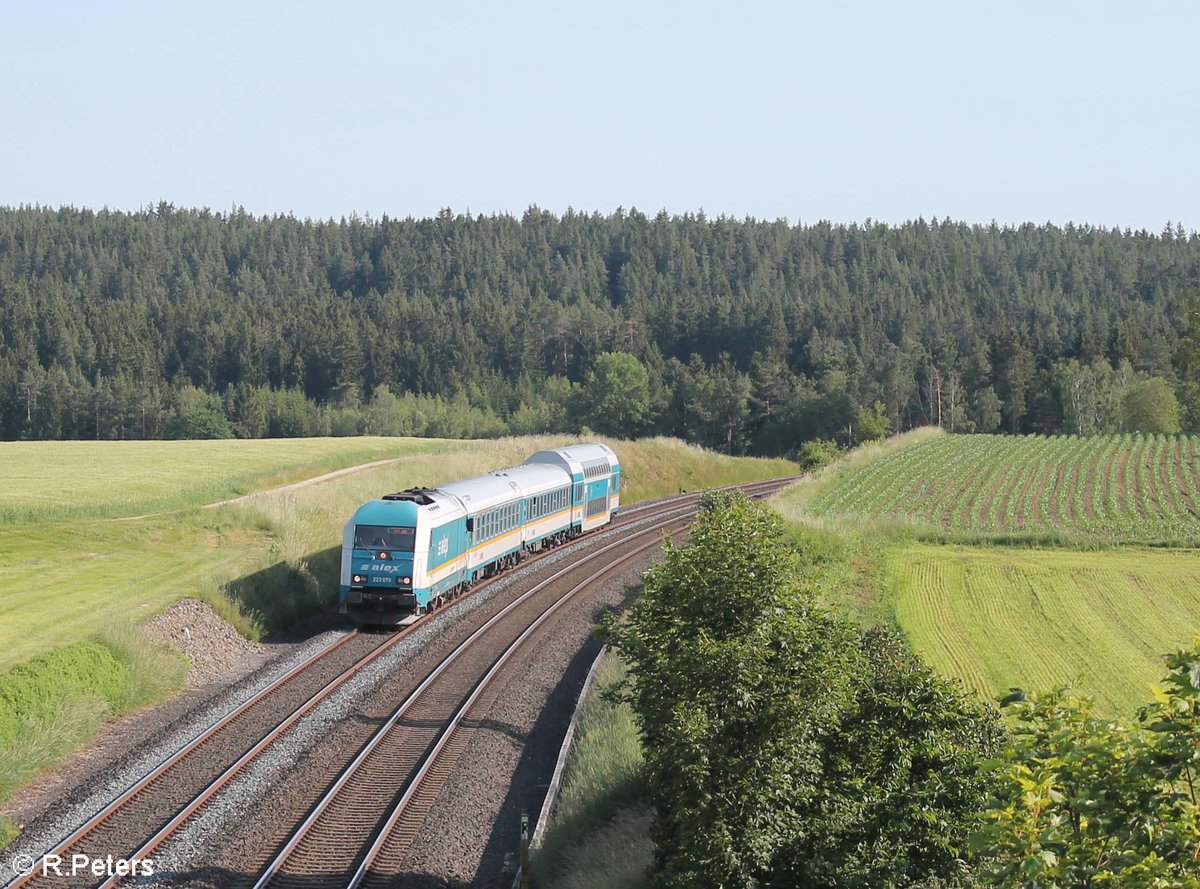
407,553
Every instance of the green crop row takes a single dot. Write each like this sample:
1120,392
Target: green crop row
1129,487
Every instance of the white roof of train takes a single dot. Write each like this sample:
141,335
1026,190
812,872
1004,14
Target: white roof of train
534,478
481,492
575,456
543,471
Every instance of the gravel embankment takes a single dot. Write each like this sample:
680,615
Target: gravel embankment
214,647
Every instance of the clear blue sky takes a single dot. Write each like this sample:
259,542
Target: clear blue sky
1083,111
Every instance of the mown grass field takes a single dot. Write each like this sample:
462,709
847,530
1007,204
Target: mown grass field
1004,617
125,534
95,479
120,534
1113,488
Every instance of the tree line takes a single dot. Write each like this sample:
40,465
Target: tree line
785,746
747,335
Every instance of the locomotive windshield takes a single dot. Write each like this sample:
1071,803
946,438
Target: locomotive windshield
384,537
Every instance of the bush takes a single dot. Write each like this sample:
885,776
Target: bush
198,423
87,669
1093,801
905,780
812,455
782,746
1150,405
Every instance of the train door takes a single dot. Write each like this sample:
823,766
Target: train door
595,504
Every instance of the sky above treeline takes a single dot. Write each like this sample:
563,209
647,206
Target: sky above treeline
1021,111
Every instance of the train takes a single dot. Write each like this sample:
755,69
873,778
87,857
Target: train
406,554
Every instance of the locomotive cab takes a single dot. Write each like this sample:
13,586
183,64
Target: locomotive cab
381,569
382,546
399,555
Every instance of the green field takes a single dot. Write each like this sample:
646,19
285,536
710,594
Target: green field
1113,488
91,555
94,479
1034,619
61,579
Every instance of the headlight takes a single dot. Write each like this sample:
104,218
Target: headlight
384,556
406,581
357,578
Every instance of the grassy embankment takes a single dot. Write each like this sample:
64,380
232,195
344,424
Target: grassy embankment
599,838
79,569
1027,562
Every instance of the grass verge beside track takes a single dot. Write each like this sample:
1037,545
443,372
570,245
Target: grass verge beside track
55,702
599,838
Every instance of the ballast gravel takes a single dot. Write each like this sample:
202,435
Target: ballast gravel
214,648
471,836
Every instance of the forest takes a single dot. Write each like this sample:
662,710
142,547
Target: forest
746,335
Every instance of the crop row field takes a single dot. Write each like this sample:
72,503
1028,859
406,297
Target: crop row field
1133,488
1001,617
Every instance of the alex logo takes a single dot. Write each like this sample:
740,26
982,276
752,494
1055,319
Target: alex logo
443,547
386,567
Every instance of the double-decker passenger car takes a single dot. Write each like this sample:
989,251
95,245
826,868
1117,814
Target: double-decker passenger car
406,553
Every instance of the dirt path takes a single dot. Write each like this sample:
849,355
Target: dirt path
308,481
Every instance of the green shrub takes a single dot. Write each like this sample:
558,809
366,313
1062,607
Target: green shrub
86,669
815,454
1087,800
55,702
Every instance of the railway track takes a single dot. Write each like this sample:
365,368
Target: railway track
402,768
145,815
